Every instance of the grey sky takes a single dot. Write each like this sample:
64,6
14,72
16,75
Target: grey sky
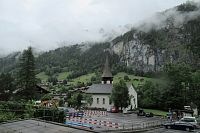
43,24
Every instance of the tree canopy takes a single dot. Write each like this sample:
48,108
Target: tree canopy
182,88
120,95
7,86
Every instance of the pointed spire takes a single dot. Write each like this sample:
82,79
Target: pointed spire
106,71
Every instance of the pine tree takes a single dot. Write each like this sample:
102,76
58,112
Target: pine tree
7,86
26,74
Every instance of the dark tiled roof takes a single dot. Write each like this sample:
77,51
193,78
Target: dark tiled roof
106,70
42,88
38,88
100,89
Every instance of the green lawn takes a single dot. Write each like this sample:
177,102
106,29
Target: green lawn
63,75
135,82
84,78
42,76
156,112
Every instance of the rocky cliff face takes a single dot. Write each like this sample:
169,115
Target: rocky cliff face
134,54
150,46
144,57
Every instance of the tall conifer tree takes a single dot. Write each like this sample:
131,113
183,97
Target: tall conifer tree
26,74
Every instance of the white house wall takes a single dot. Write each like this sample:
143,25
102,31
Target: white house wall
100,104
133,100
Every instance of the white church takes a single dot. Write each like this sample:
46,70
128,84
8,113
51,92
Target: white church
101,93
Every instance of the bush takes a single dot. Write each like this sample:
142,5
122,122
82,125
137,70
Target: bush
50,114
5,116
15,110
46,97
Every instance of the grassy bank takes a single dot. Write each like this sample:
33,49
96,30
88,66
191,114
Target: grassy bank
156,112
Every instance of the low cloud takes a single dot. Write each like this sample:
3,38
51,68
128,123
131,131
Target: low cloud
43,24
158,20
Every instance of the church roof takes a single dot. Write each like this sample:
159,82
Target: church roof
100,89
106,70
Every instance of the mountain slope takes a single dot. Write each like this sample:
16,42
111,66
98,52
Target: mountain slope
171,37
9,63
74,59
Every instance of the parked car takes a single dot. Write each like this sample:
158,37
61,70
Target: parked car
128,112
141,112
149,114
114,110
180,126
191,120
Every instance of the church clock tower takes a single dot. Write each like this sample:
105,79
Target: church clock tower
107,77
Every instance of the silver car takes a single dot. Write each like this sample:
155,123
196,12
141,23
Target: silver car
191,120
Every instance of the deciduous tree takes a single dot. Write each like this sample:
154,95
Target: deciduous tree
120,96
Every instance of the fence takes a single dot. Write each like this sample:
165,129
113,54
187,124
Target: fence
94,122
94,113
133,127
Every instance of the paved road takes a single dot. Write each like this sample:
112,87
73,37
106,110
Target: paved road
163,130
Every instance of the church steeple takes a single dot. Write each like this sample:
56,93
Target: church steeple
107,77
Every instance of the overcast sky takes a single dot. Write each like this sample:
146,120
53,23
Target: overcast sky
43,24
